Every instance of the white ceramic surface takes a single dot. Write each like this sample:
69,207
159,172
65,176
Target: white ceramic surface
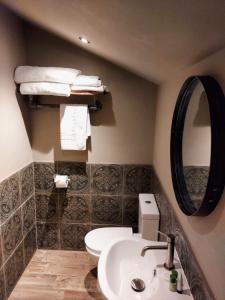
96,240
148,217
121,261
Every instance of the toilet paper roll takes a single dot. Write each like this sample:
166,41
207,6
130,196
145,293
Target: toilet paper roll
61,181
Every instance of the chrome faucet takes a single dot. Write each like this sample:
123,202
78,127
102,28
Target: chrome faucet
170,246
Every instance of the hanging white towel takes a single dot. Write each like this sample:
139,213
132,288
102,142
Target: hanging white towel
88,124
84,80
46,74
83,88
45,88
74,126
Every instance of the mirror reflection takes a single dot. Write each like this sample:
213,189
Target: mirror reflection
196,145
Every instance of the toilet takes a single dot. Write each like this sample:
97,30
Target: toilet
148,224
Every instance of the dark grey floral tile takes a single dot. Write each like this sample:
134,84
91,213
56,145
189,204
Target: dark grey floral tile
72,236
14,191
44,176
11,233
27,182
48,235
166,216
1,258
28,214
29,245
13,269
47,207
198,286
10,276
19,260
106,179
5,201
196,179
74,208
2,285
170,224
106,210
196,280
181,244
130,210
96,226
79,174
137,179
9,197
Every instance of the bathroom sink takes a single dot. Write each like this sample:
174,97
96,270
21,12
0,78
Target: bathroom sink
121,262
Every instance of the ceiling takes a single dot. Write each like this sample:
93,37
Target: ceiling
152,38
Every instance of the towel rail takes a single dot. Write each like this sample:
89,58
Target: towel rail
34,103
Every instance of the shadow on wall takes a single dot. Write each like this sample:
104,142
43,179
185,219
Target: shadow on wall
25,112
205,227
49,129
106,115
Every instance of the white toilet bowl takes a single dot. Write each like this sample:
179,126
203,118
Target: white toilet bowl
97,239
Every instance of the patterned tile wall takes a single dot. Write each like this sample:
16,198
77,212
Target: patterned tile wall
170,224
98,195
196,179
17,227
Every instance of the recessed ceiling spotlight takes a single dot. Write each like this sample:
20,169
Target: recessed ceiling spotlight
84,40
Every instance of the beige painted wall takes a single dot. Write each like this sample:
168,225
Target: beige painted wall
15,150
121,133
205,234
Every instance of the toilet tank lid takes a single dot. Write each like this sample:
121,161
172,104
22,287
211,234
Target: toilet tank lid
148,207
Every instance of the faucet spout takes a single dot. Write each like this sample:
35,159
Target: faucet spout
146,248
170,253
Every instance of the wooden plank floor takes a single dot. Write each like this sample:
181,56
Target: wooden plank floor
58,275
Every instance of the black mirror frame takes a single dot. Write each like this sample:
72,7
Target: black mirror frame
216,180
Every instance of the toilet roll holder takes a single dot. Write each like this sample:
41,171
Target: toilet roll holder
61,181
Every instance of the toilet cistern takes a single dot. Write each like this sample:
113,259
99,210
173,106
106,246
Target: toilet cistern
97,239
170,246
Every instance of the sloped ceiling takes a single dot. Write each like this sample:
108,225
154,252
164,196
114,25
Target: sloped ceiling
153,38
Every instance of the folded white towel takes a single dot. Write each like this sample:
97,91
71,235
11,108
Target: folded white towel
45,88
74,126
47,74
87,80
84,88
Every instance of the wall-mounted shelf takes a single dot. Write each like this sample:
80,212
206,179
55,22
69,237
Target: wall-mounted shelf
86,93
34,101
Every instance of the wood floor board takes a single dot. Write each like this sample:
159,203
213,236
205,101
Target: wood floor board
58,275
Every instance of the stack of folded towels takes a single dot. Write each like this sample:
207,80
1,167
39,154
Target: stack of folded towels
83,83
55,81
45,80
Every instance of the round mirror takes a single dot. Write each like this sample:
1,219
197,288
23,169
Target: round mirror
198,145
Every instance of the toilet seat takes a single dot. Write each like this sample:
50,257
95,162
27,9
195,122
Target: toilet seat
97,239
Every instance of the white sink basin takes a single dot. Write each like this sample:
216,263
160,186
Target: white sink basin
121,261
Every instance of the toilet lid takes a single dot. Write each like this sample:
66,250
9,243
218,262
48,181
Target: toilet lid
98,238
